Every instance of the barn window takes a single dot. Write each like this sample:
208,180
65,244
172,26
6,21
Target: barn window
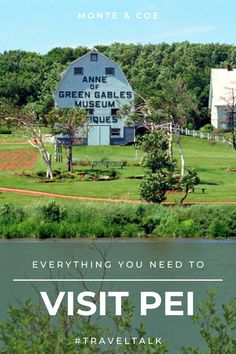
114,111
90,111
110,71
78,71
115,132
93,57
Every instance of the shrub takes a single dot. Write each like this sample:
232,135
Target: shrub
53,212
169,225
154,187
85,162
187,228
41,174
218,228
5,130
47,230
116,220
149,223
131,230
207,128
66,230
9,214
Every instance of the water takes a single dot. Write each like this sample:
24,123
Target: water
133,266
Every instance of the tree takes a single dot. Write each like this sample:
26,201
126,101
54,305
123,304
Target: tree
154,187
218,330
70,122
157,160
175,104
30,330
28,125
189,181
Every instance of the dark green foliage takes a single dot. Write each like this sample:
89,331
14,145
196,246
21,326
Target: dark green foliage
218,330
154,187
29,77
53,212
218,228
117,220
5,130
207,128
9,214
157,160
35,332
189,180
155,148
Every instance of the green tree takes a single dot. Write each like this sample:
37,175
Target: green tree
70,122
30,330
175,104
159,166
190,180
218,330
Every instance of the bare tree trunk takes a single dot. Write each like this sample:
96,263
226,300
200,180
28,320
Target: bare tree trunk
44,153
181,155
49,166
185,195
69,162
170,138
48,161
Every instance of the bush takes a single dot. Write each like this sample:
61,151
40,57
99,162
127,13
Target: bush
187,228
207,128
116,220
218,228
5,130
41,174
53,212
47,230
131,230
149,223
154,187
10,214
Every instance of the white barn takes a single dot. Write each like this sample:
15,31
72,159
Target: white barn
97,84
222,98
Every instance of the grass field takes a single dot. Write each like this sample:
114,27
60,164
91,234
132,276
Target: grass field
211,162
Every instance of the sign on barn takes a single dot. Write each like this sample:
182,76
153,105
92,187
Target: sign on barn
97,84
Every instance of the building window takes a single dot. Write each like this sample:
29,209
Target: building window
114,111
90,111
78,71
115,132
231,119
93,57
110,71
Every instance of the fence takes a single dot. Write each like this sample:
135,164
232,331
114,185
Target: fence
199,134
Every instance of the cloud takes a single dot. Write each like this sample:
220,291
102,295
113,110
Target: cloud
187,30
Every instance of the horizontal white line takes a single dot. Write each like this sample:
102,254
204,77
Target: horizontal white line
117,280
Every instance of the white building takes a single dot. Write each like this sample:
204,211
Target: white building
222,98
97,84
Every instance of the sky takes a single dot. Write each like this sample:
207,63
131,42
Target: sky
40,25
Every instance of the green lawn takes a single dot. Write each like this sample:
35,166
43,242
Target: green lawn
211,161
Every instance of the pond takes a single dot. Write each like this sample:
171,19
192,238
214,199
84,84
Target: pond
147,271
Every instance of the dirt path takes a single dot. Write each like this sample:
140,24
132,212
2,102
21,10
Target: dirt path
64,196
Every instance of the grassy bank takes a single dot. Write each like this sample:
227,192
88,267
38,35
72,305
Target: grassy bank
116,220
